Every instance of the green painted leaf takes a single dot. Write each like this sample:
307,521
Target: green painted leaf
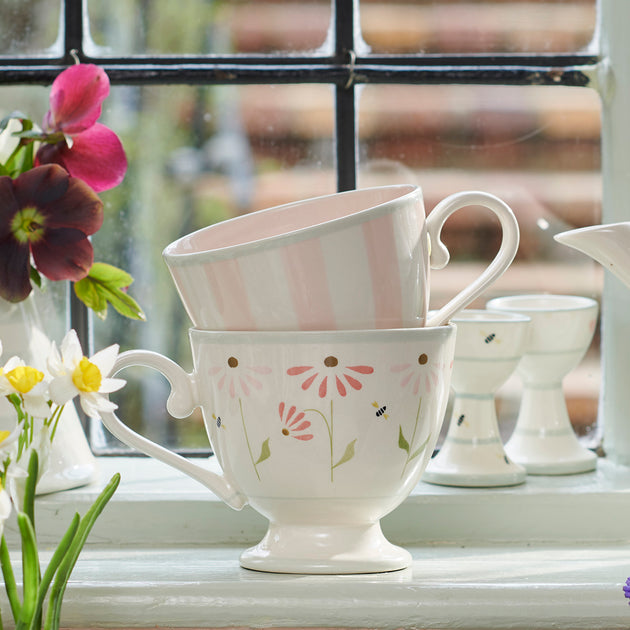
348,454
402,442
265,452
419,449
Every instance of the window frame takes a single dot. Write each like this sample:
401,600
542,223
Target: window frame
345,65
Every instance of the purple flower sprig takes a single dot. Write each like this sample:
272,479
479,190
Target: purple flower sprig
626,589
48,202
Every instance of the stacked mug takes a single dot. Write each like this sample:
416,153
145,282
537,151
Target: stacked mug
322,380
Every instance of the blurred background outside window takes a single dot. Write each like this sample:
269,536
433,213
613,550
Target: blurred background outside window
204,153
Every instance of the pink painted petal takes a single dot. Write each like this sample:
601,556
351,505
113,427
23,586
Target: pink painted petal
297,419
281,410
96,156
308,382
340,386
323,386
305,425
361,369
308,436
400,368
76,97
295,371
253,381
291,411
353,382
244,387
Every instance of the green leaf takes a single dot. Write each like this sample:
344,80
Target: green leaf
348,454
30,569
58,589
29,489
36,278
402,442
419,449
9,580
104,285
265,452
55,561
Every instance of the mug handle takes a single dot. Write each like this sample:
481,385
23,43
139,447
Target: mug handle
181,402
439,255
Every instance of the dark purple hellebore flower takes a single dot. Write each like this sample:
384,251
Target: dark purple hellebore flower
47,214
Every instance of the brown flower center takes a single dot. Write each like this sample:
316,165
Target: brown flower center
422,359
285,431
331,361
232,362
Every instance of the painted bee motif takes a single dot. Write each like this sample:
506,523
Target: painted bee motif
380,411
490,337
460,420
219,422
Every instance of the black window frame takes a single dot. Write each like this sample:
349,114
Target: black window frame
346,68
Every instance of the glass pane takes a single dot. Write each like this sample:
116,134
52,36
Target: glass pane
30,28
535,147
197,156
201,27
476,26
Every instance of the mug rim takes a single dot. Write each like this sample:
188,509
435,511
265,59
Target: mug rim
373,335
181,258
561,303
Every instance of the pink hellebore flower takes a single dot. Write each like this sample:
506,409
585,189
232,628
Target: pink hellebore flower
47,214
89,150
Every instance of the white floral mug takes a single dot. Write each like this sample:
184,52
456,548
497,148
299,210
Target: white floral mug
352,260
323,433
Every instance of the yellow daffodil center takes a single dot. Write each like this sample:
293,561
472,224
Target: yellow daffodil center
23,378
86,376
4,435
28,225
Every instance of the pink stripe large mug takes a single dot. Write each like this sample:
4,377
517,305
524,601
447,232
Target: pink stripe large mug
352,260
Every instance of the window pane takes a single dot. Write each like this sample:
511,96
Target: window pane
475,26
197,156
30,28
535,147
200,27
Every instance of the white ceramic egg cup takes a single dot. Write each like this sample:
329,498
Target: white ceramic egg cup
561,331
488,348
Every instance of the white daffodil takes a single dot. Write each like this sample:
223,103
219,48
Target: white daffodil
76,375
27,382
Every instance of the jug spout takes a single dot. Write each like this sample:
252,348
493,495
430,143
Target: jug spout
608,244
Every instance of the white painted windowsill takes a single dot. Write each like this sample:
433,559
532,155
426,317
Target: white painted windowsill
552,553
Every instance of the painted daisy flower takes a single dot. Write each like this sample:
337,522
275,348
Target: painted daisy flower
419,374
340,376
238,379
76,375
294,424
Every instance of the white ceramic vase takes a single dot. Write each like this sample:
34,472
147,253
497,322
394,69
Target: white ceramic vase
70,462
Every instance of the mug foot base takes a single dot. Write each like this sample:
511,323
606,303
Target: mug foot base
331,550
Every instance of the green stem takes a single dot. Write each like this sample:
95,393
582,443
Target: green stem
249,448
413,437
30,571
329,428
54,421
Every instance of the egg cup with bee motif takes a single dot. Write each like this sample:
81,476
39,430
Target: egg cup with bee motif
488,348
561,331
